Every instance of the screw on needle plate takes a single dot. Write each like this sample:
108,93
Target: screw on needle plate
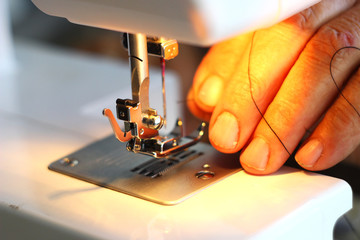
69,162
205,175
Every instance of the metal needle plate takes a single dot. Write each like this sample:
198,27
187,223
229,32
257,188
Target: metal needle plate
166,181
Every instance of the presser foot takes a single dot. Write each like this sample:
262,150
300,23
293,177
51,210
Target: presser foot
147,141
160,146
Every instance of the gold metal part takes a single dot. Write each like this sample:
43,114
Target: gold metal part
119,134
152,121
169,49
162,47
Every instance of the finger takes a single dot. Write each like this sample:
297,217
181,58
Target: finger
338,134
273,54
194,109
216,67
305,94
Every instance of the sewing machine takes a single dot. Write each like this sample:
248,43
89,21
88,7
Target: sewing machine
170,168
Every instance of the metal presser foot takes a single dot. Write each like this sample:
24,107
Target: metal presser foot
169,169
156,146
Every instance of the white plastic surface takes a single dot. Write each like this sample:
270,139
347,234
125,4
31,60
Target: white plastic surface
201,22
39,123
7,63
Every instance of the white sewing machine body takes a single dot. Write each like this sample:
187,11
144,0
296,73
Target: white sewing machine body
48,112
199,22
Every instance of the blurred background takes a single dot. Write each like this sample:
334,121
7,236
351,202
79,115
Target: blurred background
28,24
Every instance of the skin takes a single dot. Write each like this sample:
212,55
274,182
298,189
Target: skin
288,65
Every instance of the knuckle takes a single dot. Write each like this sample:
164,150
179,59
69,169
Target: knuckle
327,41
312,18
243,85
239,93
304,20
338,35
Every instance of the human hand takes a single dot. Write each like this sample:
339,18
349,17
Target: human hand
288,66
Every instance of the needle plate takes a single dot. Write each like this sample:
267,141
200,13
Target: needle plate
166,181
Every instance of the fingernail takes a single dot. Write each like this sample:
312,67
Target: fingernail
225,131
210,91
308,155
256,155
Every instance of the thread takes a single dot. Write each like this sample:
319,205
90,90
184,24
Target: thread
162,63
252,97
332,77
257,107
